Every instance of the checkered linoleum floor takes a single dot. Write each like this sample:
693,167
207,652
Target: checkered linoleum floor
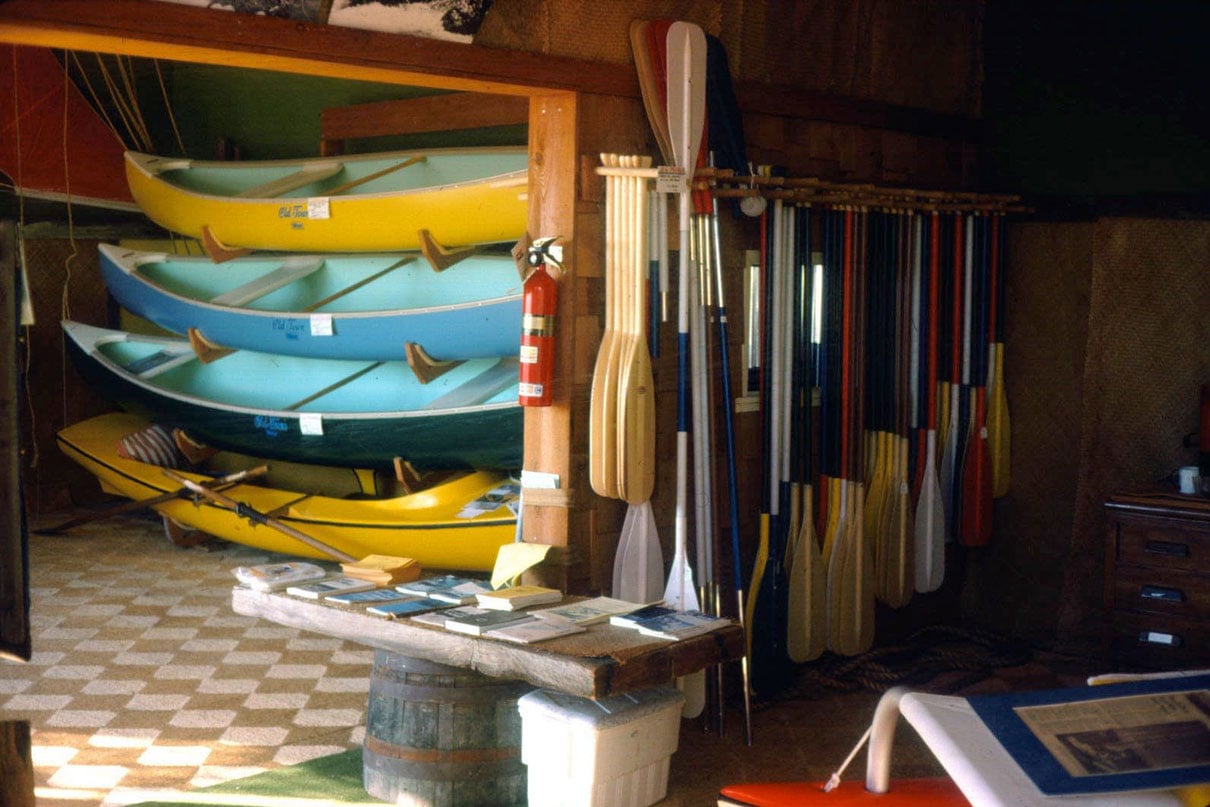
144,682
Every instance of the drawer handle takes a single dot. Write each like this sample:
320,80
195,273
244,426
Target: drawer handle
1158,638
1161,594
1167,549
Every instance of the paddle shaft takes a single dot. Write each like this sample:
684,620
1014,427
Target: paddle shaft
257,517
139,504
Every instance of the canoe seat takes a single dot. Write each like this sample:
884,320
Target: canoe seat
479,389
313,172
290,271
160,362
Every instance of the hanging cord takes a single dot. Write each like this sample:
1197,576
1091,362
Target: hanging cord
20,192
127,74
180,144
101,108
121,105
65,300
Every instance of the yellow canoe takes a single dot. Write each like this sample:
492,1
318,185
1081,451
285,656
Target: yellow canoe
350,203
458,524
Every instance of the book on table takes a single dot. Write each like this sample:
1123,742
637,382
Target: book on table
632,619
408,607
476,621
276,576
447,588
383,570
535,630
590,611
328,586
370,596
515,597
438,617
680,625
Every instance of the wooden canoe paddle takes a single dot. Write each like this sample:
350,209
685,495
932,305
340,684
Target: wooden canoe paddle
257,517
997,398
603,398
930,507
218,483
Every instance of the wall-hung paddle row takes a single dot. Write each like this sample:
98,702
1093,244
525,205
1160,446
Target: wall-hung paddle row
884,425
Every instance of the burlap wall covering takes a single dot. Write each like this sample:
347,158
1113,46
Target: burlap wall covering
1108,343
1015,583
1148,355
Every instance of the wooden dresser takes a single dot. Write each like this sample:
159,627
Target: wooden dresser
1157,580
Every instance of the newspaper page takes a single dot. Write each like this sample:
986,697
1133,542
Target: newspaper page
1130,734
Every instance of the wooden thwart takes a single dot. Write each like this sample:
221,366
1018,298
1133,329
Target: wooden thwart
294,269
313,172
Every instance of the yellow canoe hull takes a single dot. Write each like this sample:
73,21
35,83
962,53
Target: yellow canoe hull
424,525
487,210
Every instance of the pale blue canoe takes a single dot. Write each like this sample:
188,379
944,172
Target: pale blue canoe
325,306
360,414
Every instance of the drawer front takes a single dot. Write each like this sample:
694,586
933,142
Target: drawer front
1159,643
1166,592
1163,547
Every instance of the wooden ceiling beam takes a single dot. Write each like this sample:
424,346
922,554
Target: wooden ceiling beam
157,30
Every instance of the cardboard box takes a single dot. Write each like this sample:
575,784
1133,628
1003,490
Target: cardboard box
612,752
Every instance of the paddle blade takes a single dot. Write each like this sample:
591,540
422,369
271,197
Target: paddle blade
998,423
930,525
686,81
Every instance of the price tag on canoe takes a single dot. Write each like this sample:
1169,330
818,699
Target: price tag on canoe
321,324
671,179
311,424
317,207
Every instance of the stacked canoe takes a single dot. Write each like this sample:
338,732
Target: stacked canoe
313,332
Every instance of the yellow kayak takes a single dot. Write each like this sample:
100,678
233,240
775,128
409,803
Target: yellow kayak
350,203
459,523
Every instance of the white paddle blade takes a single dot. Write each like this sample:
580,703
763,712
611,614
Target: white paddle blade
930,524
621,569
652,574
686,102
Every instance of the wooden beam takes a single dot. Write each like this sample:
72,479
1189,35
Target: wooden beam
430,113
153,29
791,102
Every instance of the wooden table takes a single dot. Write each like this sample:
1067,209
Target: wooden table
603,661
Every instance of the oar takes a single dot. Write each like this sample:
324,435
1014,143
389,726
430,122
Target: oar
732,471
635,429
950,456
977,467
997,398
139,504
930,508
806,620
602,405
686,104
257,517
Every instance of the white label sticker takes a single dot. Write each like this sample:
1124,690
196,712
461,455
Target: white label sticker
317,207
321,325
671,179
311,424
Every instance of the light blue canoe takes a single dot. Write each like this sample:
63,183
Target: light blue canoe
325,306
358,414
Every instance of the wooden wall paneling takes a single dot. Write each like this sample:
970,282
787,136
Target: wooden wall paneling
430,113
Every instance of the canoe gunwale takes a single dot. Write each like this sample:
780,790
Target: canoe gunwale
132,269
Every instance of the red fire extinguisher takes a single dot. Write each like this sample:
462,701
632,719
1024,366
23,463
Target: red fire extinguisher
538,303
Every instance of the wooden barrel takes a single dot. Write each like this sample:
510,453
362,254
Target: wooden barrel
441,736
